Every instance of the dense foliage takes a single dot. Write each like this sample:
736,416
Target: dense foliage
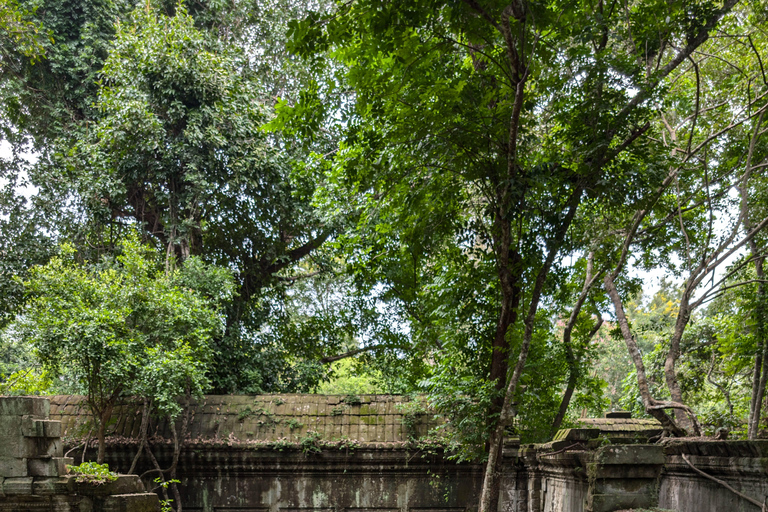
452,198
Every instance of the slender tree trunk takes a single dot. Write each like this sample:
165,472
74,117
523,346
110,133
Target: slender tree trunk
756,376
651,405
178,441
573,379
508,263
761,354
570,357
101,432
489,496
142,434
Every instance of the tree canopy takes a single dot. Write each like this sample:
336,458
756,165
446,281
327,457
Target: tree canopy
461,196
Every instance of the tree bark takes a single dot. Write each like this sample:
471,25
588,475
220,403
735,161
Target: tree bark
652,406
760,375
573,378
492,477
101,432
142,434
670,372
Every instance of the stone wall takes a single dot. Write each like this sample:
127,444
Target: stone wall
33,472
265,419
311,453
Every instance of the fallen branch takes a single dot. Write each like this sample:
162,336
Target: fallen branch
763,506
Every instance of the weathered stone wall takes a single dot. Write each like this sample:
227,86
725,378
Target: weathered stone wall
264,419
33,469
311,453
743,464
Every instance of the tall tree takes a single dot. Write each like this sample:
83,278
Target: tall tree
487,127
152,118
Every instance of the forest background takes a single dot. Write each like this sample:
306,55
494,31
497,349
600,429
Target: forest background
450,199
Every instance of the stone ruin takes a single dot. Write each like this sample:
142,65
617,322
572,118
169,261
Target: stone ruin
33,468
375,453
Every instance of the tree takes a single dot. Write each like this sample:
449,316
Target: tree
711,121
123,327
155,121
478,139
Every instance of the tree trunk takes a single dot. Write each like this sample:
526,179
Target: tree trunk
573,379
101,433
670,372
570,357
651,405
489,496
760,375
142,434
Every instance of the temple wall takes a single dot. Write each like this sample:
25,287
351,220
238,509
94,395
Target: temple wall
311,453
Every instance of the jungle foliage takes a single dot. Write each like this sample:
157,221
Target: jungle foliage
452,198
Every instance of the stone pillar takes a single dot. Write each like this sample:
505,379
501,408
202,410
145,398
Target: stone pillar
33,473
31,445
624,477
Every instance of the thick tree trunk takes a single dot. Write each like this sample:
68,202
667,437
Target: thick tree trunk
670,372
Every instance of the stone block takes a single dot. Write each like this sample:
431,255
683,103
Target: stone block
576,434
145,502
13,467
42,467
51,486
612,502
25,405
33,427
625,486
124,484
630,454
623,472
29,447
62,463
14,486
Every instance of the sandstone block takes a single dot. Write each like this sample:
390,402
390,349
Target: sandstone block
29,447
13,467
33,427
25,405
145,502
14,486
631,454
51,486
611,502
62,463
576,434
42,467
124,484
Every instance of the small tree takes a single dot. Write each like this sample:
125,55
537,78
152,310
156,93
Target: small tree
115,325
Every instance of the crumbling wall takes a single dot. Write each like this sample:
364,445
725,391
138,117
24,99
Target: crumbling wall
374,453
33,469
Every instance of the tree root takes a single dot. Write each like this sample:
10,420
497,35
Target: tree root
763,506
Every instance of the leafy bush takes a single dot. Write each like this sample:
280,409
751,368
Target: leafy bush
92,473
